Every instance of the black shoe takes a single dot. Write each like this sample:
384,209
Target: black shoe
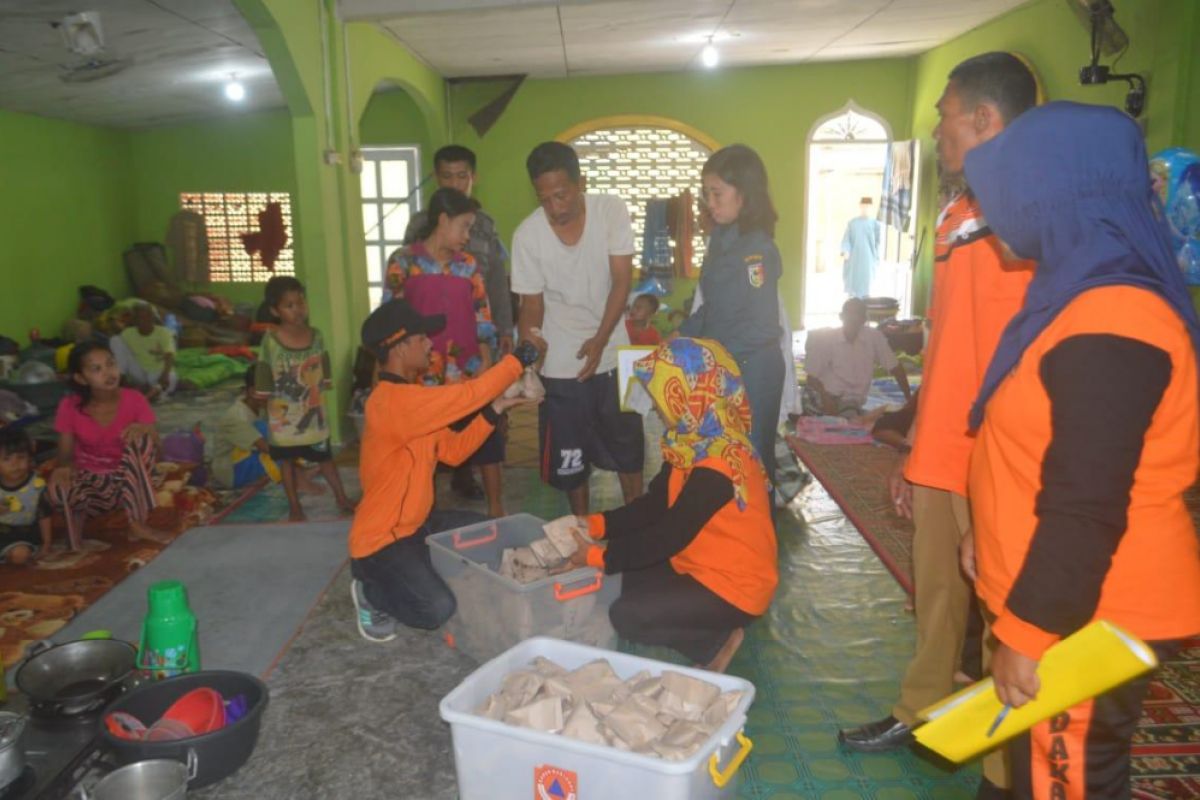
888,733
990,791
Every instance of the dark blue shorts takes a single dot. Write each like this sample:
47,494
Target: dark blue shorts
581,425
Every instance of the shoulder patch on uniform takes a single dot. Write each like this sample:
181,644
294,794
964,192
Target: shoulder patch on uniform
755,270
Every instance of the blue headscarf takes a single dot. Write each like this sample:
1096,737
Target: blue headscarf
1068,185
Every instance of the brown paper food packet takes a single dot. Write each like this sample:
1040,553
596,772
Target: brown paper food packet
561,532
582,724
540,715
686,697
630,722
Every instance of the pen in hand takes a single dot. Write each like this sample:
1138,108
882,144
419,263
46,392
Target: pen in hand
999,718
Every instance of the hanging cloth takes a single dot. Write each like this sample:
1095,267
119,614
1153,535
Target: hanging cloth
895,207
681,223
656,241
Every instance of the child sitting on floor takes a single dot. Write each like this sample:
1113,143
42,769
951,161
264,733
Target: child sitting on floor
641,329
24,508
107,446
293,371
145,353
241,455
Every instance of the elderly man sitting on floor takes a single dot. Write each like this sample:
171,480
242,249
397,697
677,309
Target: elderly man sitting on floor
841,361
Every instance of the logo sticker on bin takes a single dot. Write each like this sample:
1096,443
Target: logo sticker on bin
553,783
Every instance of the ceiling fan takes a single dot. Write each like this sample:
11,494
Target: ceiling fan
1108,39
83,35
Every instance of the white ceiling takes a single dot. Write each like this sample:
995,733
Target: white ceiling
462,38
182,51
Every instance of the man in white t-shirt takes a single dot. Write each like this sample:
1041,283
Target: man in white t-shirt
572,265
840,363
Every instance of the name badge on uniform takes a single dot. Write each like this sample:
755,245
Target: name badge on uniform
756,271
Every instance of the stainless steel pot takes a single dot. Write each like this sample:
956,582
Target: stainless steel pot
77,676
12,746
156,779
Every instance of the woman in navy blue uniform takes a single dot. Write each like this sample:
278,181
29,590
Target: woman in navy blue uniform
739,284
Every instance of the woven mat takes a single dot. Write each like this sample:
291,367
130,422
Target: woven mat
856,478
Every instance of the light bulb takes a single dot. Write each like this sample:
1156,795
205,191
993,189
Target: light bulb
709,55
235,91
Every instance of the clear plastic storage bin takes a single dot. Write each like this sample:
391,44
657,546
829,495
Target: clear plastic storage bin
495,613
494,760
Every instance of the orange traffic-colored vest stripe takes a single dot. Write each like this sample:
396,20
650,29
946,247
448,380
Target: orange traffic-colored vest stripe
1152,588
975,294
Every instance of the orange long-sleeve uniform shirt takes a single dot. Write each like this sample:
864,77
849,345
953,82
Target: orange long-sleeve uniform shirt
975,294
407,433
1078,476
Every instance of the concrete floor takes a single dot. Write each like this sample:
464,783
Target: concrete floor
354,719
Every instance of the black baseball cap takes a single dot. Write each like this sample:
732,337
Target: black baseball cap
394,320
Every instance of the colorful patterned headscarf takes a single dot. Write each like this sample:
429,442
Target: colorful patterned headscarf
698,389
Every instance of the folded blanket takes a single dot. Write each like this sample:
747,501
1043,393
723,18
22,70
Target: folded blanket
832,430
203,370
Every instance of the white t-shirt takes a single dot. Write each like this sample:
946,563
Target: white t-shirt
845,368
574,281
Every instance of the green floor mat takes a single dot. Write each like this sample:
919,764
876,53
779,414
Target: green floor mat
829,655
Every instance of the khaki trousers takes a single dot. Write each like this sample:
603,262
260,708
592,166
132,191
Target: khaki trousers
942,602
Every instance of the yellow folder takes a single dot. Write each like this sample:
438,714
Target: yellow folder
1087,663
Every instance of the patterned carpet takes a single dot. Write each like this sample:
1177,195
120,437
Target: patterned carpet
1166,747
856,478
1166,752
39,599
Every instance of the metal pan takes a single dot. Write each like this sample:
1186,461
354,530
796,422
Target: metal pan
78,676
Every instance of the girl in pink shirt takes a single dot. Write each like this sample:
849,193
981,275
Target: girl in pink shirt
106,447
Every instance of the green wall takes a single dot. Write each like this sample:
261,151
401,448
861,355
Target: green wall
66,215
769,108
327,72
87,193
1163,36
243,153
392,117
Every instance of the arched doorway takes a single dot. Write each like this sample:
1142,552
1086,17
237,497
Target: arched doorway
847,156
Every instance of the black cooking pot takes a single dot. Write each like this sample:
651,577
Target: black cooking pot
77,677
215,754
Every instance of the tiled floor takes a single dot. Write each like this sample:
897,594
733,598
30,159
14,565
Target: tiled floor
829,654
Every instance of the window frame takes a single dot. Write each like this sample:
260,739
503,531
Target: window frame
225,248
373,157
636,204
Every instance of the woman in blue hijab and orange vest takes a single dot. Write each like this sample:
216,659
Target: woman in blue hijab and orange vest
1090,432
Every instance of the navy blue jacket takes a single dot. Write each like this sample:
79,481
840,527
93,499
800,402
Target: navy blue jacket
740,284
